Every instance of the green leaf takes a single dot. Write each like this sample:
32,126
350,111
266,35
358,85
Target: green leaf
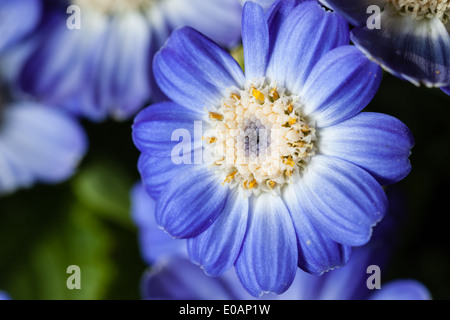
104,187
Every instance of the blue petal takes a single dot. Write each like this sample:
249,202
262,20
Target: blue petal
219,20
179,279
13,24
255,39
402,290
341,199
160,127
116,71
32,150
217,248
265,4
56,67
194,71
317,253
414,50
268,260
157,172
446,90
154,243
376,142
354,11
341,84
191,202
306,34
277,14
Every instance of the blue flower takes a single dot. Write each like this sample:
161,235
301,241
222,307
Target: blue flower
17,20
104,68
37,144
172,276
293,171
412,39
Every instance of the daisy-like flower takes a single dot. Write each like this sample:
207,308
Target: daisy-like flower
12,12
295,170
412,38
37,143
103,69
172,276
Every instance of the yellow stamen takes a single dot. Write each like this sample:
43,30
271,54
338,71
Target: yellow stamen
258,95
271,184
288,161
305,129
250,185
290,108
209,140
215,115
230,177
292,121
274,94
235,96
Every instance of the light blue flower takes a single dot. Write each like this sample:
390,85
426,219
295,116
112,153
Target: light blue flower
412,40
173,277
37,144
104,68
294,171
17,20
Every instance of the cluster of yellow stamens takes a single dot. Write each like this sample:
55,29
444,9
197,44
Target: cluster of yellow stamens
259,138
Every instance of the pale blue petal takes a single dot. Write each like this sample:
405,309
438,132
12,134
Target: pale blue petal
13,24
38,144
341,84
194,71
307,33
217,248
341,199
154,243
317,253
402,290
255,40
376,142
268,260
191,202
160,127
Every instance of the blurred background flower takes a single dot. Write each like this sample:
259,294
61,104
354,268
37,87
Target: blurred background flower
38,143
102,67
411,39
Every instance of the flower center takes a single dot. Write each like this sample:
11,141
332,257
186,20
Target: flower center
421,9
259,138
114,6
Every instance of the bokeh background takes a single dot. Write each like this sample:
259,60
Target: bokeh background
86,220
